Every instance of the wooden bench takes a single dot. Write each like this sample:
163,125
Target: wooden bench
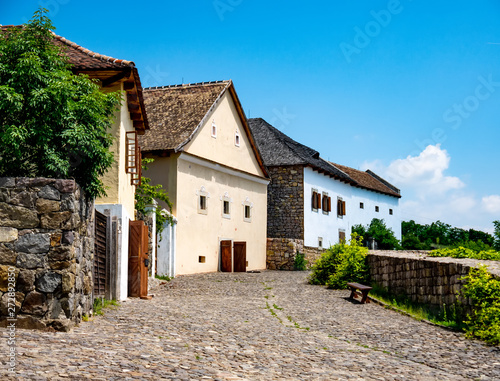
364,291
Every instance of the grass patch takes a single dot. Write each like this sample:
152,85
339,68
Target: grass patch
449,316
166,278
100,304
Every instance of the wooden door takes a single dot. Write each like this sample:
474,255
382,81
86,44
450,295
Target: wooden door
240,257
100,262
226,254
137,259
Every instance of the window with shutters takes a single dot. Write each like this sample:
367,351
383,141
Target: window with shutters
341,210
316,200
326,203
133,164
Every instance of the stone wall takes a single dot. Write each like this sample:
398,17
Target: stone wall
429,280
285,202
47,237
281,253
312,254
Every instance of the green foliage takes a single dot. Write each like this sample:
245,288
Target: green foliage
439,234
163,277
300,262
476,246
52,123
101,303
496,244
484,291
340,264
384,236
463,252
146,194
359,229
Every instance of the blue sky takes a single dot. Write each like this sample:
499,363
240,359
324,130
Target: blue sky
409,89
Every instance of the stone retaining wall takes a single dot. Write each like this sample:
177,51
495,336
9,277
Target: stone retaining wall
434,281
47,241
281,253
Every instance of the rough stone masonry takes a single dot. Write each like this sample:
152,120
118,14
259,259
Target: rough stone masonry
47,238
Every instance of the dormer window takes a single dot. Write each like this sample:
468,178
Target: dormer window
237,138
214,130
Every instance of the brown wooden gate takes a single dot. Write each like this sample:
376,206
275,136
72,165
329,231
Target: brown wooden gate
240,257
138,258
100,263
226,254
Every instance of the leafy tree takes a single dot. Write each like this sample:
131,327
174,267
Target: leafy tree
52,123
360,230
384,236
496,244
146,194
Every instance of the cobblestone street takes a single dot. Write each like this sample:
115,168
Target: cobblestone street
252,326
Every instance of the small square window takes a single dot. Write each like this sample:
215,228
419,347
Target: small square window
201,259
376,209
390,212
203,196
237,138
214,130
320,242
361,205
226,206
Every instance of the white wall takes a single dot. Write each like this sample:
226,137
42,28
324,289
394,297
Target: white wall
327,226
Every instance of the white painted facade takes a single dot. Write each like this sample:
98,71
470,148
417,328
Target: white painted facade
326,226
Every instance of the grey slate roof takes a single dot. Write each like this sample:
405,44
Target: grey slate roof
277,149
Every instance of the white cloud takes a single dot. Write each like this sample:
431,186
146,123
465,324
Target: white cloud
491,204
425,172
429,193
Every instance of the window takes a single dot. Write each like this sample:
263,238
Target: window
226,206
320,242
390,212
247,210
326,203
203,196
237,138
361,205
214,130
316,200
376,209
341,210
201,259
341,236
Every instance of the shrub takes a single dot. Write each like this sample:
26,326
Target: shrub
340,264
484,291
300,262
463,252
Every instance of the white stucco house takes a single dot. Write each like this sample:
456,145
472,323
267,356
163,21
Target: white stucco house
316,201
206,159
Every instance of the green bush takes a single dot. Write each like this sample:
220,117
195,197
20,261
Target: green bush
484,291
463,252
411,242
340,264
299,263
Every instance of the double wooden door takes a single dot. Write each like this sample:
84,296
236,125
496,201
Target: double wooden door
233,252
138,259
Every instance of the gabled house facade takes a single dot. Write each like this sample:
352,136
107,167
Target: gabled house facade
123,177
207,160
313,202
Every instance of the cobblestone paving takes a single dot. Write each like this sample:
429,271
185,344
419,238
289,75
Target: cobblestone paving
265,326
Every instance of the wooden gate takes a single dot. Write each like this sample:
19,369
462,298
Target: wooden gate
100,263
240,257
138,258
226,256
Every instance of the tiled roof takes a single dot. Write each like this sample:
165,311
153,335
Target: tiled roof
369,180
176,112
84,59
277,149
